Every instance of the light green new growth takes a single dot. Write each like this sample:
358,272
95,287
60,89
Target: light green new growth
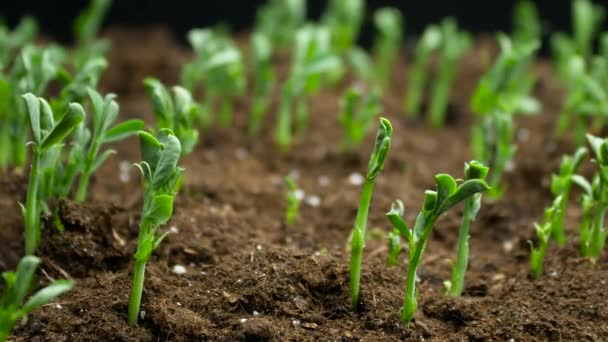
587,19
394,237
360,62
219,64
86,26
455,286
279,20
13,306
561,184
454,43
429,42
313,58
344,19
389,29
594,201
11,42
500,94
161,177
75,87
526,22
357,243
263,80
543,232
357,114
177,113
293,202
447,194
84,158
47,138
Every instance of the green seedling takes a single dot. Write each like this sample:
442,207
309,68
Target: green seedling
177,113
389,29
594,201
313,58
47,137
561,185
502,92
219,64
161,177
447,194
455,286
543,233
394,237
587,19
344,19
13,306
263,80
11,42
454,44
75,87
526,22
429,42
563,50
279,20
357,114
360,62
293,202
357,242
86,26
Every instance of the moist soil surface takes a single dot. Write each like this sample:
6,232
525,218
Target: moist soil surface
249,277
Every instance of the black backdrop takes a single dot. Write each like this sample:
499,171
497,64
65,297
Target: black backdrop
55,16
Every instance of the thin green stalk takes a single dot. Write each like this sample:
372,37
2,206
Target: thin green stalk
598,237
259,106
136,291
358,242
441,93
536,258
558,226
462,260
83,182
226,111
32,210
301,115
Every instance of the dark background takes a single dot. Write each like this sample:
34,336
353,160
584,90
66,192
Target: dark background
55,16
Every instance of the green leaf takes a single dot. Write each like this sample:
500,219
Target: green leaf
446,186
475,170
5,95
395,217
71,119
123,130
150,149
467,189
24,275
160,211
169,157
583,183
33,109
102,159
47,294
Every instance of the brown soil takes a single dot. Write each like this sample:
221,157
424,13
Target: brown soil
249,277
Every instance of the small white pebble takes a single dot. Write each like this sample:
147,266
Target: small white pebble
295,174
58,306
142,314
324,181
178,304
239,281
553,274
511,340
173,230
241,153
258,247
125,171
178,269
417,279
356,178
255,313
507,246
313,200
300,194
243,320
510,166
295,322
523,134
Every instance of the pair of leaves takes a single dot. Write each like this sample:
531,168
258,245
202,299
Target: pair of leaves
161,155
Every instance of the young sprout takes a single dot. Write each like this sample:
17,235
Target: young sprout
543,232
393,238
75,88
293,201
563,50
47,135
177,112
12,42
105,112
454,44
85,26
161,177
280,20
357,113
455,286
594,201
344,19
430,40
13,306
361,64
526,22
587,19
501,93
389,28
561,184
447,194
357,242
263,80
312,59
219,64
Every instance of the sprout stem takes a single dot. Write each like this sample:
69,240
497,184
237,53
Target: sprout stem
136,291
32,210
358,242
462,259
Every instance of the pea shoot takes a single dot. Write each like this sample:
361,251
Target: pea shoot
389,29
